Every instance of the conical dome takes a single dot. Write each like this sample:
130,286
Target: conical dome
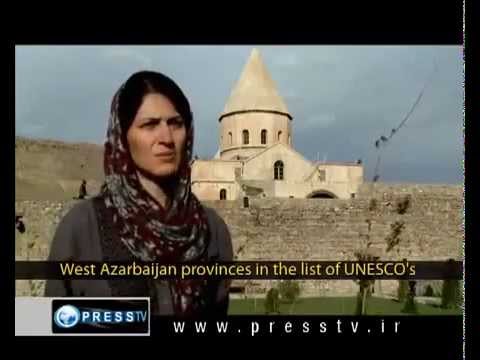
255,90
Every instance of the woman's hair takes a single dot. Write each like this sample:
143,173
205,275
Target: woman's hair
143,83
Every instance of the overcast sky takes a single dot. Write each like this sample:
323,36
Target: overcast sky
342,98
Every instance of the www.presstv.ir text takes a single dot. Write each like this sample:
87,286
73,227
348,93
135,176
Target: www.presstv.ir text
285,327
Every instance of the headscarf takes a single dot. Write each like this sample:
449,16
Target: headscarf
150,232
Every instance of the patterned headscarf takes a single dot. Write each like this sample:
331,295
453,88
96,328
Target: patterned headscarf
150,232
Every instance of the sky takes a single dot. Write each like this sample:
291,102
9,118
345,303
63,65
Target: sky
342,98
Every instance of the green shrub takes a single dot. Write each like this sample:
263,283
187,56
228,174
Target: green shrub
272,301
450,293
289,290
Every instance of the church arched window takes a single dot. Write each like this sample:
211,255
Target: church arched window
279,136
264,137
229,138
223,194
246,139
278,170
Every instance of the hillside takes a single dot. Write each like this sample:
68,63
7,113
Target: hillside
53,170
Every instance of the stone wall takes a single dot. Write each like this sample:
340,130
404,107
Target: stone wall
320,229
41,219
312,229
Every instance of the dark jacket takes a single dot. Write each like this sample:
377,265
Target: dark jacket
79,238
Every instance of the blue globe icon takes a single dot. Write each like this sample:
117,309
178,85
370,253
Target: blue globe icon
67,316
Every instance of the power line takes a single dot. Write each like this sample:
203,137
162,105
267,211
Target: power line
384,140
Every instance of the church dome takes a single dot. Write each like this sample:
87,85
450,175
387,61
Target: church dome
255,91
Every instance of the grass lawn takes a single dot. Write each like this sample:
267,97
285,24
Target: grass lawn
334,306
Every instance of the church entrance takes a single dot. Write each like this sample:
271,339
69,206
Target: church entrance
321,194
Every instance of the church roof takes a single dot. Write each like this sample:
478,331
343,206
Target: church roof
255,90
268,148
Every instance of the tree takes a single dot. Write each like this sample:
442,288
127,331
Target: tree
402,290
451,292
365,255
365,284
410,306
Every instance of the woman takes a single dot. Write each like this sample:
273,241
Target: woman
145,210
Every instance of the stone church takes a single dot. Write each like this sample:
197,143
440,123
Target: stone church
256,157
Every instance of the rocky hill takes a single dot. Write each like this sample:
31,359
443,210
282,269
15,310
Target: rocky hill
53,170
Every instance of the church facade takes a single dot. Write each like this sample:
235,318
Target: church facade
256,157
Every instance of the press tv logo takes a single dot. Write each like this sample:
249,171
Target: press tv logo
101,316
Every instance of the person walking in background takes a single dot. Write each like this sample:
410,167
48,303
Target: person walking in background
82,192
19,224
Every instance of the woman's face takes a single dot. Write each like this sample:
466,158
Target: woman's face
157,136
